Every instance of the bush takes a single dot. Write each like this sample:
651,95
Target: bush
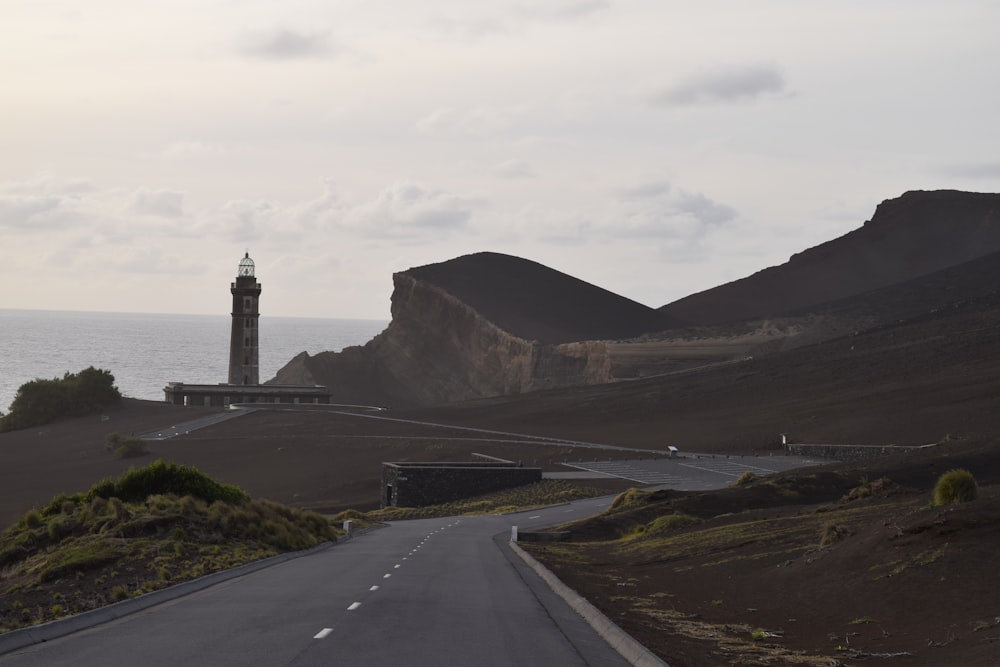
125,446
167,478
628,498
748,477
955,486
76,394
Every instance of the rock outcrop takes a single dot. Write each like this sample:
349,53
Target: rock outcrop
479,325
487,324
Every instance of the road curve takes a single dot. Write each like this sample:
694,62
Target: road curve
418,593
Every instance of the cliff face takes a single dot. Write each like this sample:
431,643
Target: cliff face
438,349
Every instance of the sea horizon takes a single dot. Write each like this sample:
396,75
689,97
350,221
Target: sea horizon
145,351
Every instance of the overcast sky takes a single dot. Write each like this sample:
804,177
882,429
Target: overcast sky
655,148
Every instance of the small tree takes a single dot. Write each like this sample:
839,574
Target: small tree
955,486
76,394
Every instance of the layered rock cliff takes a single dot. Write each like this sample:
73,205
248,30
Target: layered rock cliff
440,348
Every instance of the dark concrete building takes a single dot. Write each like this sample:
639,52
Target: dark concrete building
419,484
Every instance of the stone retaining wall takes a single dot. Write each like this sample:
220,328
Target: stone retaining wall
847,452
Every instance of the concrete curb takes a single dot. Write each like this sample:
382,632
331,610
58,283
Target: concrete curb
36,634
621,641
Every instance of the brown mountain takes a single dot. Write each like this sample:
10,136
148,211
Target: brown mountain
492,325
480,325
534,302
912,235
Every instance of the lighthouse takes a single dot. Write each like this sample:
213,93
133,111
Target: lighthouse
244,358
244,365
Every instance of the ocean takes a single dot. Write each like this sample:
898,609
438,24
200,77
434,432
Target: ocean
144,352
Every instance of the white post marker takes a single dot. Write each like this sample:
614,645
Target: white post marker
513,533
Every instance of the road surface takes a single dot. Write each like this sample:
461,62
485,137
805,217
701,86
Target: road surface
417,593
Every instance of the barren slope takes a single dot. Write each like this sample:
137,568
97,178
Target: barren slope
912,235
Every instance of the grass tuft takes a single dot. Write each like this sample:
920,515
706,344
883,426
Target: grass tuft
955,486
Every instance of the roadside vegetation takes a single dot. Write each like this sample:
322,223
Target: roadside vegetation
151,528
125,446
955,486
74,395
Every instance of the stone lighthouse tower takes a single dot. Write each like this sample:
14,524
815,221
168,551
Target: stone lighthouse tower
244,364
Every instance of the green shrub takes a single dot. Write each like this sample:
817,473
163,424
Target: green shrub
628,498
748,477
55,529
160,477
76,394
667,522
955,486
125,446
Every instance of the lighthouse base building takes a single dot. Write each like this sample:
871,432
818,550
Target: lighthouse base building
244,359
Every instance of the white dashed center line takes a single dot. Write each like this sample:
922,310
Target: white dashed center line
373,588
323,633
354,606
386,576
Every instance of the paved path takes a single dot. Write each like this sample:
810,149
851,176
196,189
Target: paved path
418,593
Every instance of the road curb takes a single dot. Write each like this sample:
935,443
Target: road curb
621,641
36,634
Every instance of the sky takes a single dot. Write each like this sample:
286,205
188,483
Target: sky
655,148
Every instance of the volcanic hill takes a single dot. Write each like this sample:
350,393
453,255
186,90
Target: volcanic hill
488,324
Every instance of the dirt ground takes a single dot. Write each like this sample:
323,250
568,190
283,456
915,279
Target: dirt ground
753,583
905,579
314,460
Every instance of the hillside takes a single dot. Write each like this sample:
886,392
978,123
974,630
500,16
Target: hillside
487,324
918,233
534,302
480,325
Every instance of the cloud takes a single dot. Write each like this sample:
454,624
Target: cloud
286,44
32,213
242,220
159,203
46,203
655,210
727,85
514,169
646,190
410,211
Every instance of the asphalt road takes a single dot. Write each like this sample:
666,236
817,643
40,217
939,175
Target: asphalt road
428,592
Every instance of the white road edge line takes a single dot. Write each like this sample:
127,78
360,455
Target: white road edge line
323,633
